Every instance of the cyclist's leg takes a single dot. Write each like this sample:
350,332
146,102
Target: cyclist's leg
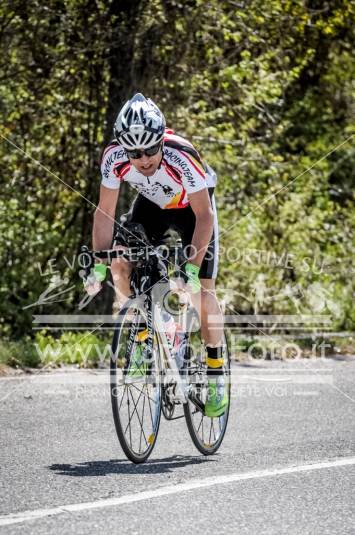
211,319
121,271
212,329
211,315
206,302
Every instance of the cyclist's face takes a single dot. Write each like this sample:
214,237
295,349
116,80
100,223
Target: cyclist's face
147,165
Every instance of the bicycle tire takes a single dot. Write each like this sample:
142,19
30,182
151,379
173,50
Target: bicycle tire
118,372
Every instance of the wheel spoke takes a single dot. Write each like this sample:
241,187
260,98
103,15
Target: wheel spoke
131,414
143,394
140,436
200,422
135,407
125,388
220,422
130,430
211,425
150,410
214,433
140,422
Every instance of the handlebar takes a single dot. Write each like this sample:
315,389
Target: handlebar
138,254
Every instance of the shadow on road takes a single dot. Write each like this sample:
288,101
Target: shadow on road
122,466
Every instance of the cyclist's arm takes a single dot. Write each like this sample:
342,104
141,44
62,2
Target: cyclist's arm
201,206
104,218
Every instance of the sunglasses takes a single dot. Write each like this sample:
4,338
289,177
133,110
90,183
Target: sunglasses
135,154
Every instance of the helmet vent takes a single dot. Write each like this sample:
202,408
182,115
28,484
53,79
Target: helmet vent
131,140
129,117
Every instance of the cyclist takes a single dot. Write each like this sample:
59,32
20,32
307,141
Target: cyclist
175,190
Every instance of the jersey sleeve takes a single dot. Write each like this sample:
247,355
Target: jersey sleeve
193,175
113,165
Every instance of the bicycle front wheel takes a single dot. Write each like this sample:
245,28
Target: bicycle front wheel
135,392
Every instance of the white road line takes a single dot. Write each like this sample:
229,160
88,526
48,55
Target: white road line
25,516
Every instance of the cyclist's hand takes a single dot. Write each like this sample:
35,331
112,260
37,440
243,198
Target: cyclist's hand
193,282
93,283
92,286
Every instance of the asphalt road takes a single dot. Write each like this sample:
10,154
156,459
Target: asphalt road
287,463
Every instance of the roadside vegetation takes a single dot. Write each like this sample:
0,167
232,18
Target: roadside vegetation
263,89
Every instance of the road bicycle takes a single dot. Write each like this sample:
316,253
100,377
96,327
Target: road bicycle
172,372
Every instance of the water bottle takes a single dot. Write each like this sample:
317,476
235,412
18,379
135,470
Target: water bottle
180,347
176,337
169,327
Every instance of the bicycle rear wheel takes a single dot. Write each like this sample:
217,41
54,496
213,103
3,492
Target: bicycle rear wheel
207,433
135,397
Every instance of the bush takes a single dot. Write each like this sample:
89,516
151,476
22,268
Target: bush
22,354
84,348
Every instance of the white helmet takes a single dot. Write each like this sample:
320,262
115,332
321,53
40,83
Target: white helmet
140,124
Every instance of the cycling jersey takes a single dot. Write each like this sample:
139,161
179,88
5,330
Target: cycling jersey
181,172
